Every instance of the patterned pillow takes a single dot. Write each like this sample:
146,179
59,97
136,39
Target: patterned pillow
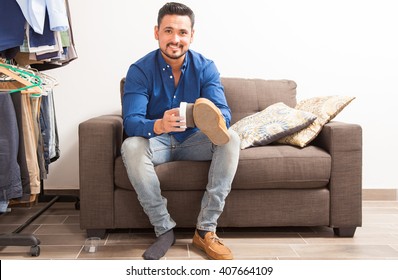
325,108
274,122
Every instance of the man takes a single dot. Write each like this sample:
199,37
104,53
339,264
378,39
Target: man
154,89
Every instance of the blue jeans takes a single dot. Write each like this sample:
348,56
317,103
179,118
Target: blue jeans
141,155
10,175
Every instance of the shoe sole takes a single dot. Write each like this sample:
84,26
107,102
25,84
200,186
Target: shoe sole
210,121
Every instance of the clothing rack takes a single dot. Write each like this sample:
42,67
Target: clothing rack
41,37
31,84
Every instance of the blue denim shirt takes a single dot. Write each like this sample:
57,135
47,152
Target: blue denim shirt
149,91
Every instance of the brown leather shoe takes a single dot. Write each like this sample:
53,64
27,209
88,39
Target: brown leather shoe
212,246
210,121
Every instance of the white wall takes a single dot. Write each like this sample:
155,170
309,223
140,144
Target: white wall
343,47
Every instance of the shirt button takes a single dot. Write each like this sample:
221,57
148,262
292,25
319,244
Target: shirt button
164,69
149,134
171,77
174,96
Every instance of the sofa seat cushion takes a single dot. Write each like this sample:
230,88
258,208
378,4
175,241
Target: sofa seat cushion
283,166
265,167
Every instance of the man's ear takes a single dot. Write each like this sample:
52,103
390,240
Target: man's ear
156,32
192,33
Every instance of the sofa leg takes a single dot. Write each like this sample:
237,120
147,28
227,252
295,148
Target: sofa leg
345,231
96,233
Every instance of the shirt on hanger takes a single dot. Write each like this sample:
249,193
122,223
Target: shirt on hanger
35,13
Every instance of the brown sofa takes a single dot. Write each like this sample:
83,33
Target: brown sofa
275,185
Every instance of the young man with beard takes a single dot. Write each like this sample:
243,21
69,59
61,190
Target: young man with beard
154,89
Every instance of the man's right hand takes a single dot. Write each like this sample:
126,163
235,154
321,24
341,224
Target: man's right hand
171,122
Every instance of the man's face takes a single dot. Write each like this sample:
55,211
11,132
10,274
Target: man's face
175,35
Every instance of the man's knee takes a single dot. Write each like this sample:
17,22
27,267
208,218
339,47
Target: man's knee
134,145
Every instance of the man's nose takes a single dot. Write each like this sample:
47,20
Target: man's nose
176,38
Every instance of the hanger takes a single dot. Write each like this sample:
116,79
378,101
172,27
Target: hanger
31,82
48,82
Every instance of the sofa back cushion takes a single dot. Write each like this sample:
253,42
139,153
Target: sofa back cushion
248,96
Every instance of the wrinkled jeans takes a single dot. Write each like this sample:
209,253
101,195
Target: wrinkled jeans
141,155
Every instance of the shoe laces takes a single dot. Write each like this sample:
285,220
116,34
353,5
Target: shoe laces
215,238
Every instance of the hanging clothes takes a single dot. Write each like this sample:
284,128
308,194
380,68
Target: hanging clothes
37,33
34,34
35,13
49,130
31,142
28,143
10,179
23,166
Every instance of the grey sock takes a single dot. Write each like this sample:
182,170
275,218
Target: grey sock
160,247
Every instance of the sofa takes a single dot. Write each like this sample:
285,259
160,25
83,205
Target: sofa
276,185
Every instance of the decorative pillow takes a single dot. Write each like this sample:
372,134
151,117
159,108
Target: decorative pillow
274,122
325,108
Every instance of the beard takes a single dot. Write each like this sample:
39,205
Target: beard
174,56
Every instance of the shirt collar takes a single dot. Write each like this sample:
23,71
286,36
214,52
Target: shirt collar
164,65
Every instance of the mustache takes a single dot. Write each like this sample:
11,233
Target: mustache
172,44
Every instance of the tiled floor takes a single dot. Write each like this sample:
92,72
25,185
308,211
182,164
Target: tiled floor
61,238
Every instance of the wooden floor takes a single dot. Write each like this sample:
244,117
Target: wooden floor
61,238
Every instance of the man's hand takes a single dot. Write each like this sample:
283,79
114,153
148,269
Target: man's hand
170,122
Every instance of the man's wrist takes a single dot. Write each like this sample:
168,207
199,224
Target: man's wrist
158,127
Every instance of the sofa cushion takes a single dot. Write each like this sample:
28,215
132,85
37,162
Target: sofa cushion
272,123
325,108
248,96
264,167
283,166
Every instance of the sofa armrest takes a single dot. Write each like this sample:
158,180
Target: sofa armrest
100,139
343,141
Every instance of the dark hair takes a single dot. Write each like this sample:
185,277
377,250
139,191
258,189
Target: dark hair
173,8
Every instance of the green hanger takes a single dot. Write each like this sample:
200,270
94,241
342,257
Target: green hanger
30,80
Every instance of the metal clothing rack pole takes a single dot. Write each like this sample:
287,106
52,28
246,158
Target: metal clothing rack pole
17,239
